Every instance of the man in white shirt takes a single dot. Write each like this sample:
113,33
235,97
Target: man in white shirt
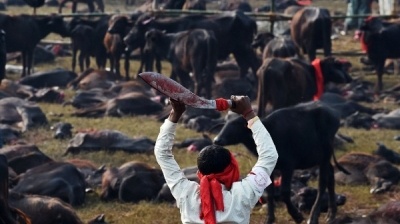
220,197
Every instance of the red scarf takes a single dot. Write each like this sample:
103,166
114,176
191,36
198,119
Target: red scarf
319,78
211,190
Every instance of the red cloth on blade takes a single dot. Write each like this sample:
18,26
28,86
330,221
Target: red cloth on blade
211,190
319,78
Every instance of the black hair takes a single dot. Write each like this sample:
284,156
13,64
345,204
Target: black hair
213,159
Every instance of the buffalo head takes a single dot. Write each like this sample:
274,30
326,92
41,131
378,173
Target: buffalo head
335,70
57,25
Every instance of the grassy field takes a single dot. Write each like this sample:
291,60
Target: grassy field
359,200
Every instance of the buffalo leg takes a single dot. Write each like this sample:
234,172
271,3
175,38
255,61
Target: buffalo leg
62,3
127,54
117,59
158,63
24,63
29,62
142,61
316,209
287,174
332,196
81,61
90,5
87,58
100,5
112,63
379,72
74,6
242,62
74,52
254,62
312,53
270,202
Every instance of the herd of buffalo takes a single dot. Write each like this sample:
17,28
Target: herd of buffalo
302,100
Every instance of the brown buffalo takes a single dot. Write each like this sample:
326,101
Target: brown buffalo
286,82
48,210
365,168
311,30
92,78
118,28
23,157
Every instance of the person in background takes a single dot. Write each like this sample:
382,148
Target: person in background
220,197
386,7
356,7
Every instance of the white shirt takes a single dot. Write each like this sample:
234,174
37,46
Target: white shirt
239,200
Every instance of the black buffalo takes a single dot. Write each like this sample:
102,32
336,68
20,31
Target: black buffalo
380,40
234,31
132,182
297,149
54,179
23,33
187,51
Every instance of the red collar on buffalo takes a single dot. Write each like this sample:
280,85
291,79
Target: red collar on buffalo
319,78
364,45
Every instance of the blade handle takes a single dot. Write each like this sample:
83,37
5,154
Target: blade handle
232,104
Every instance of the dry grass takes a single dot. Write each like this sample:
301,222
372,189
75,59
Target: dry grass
359,201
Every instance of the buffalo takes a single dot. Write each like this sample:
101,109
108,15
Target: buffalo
24,32
296,148
54,179
108,140
234,32
379,41
188,51
311,29
286,82
132,182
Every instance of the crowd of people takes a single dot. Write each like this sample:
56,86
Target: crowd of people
364,7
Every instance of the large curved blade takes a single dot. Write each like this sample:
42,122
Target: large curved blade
176,91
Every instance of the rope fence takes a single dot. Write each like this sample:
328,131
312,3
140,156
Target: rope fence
259,16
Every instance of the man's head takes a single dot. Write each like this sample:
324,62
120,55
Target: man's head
213,159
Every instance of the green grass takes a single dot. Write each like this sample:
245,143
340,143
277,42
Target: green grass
359,200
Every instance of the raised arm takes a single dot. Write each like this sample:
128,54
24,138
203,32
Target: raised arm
174,176
267,154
